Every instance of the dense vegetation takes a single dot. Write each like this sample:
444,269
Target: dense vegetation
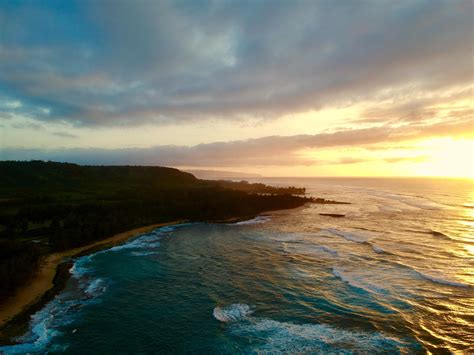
261,188
46,206
17,262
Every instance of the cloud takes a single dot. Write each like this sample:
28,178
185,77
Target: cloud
266,151
28,125
64,134
352,160
115,63
416,159
423,107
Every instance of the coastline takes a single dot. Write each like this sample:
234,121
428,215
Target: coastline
44,284
54,273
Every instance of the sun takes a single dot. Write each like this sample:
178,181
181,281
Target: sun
447,157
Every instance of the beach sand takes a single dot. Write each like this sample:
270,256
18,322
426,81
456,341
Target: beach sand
43,280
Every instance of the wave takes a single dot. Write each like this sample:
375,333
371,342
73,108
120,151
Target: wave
144,242
336,272
358,238
359,281
143,253
256,220
308,247
232,313
419,202
438,279
96,287
148,240
79,268
42,331
442,280
432,232
271,336
165,229
440,234
378,249
60,311
44,324
352,237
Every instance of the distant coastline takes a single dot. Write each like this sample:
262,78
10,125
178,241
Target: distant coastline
219,174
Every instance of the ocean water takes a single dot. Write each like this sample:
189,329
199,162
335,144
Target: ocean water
395,275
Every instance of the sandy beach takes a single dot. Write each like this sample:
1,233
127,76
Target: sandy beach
43,280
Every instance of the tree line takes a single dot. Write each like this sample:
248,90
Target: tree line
47,207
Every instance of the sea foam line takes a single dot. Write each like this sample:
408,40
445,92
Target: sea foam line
435,279
256,220
357,238
286,337
44,324
232,313
442,281
59,311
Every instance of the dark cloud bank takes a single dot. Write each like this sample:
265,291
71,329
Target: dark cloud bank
112,63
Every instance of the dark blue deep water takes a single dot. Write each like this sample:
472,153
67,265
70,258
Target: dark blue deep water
394,276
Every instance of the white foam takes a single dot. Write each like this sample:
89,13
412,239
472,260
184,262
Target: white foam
256,220
232,313
79,268
43,327
273,336
59,311
357,280
39,336
146,241
96,287
443,280
143,253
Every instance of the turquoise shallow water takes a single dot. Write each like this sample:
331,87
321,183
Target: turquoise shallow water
295,282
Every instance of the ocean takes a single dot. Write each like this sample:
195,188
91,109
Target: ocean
395,275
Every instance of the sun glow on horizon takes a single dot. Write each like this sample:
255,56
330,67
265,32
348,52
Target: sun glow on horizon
448,157
437,157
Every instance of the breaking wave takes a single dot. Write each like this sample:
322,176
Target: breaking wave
316,338
256,220
143,253
62,310
271,336
232,313
443,280
352,237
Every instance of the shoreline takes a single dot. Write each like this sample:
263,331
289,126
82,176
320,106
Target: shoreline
54,273
50,278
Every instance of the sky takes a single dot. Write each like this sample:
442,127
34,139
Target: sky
278,88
